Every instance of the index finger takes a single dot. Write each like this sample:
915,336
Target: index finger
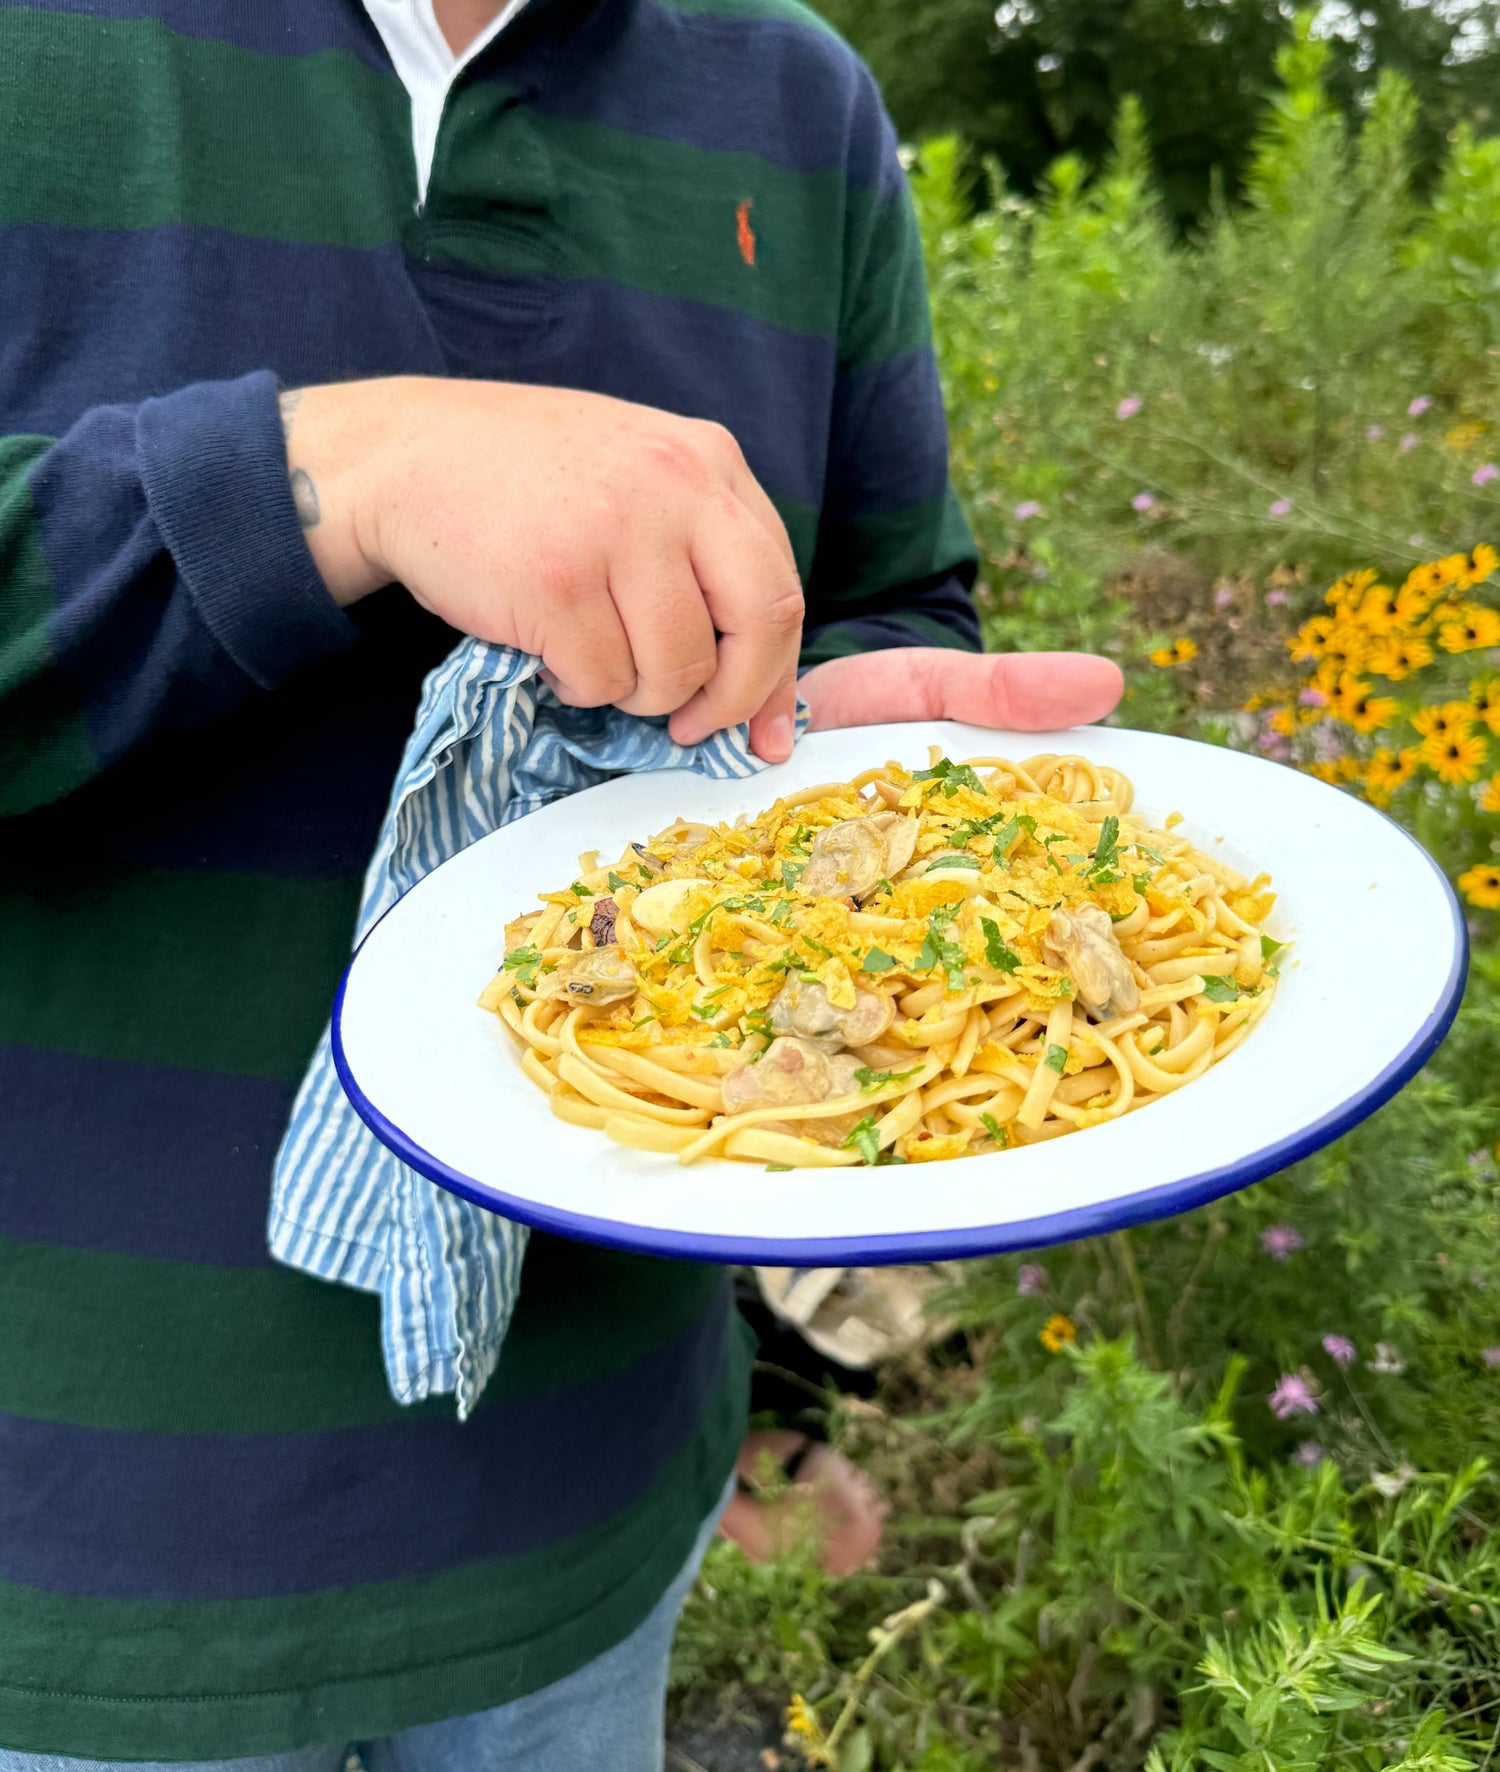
755,600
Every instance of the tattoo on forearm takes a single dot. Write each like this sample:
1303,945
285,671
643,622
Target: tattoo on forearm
305,498
289,402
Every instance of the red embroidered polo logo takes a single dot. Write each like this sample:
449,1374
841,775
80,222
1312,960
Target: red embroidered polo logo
743,232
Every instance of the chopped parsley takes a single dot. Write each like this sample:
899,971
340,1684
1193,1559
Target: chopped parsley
1052,862
1006,829
1056,1059
721,1040
778,1168
877,960
579,890
995,1130
681,954
1056,837
1270,949
865,1139
1103,869
1149,853
881,886
1220,988
937,950
1001,957
791,873
524,963
950,777
615,882
644,872
1140,882
781,914
955,861
868,1079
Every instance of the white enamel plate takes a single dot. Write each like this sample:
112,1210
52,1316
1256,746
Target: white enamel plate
1366,993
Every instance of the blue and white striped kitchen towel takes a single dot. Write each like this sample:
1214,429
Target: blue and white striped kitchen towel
491,744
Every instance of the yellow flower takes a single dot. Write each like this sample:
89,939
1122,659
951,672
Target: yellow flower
1378,610
1412,603
1489,800
1486,699
1481,886
1482,562
1322,772
1349,768
1452,719
1463,437
1346,592
1355,702
1397,655
1179,652
1282,720
1310,641
1386,772
1476,627
1423,584
1255,704
801,1720
1059,1331
1452,569
1453,760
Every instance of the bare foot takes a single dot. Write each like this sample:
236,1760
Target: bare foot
831,1500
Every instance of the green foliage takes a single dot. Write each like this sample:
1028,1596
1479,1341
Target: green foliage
1266,370
1026,83
1248,1521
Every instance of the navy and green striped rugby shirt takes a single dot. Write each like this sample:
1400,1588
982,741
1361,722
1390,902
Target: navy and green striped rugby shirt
218,1535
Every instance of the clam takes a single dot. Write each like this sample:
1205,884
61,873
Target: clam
1082,942
598,978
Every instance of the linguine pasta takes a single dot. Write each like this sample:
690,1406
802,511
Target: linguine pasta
906,966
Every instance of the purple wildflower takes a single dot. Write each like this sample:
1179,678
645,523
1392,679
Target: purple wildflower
1312,698
1129,406
1340,1349
1275,599
1387,1360
1484,473
1280,1240
1281,508
1224,596
1274,746
1143,501
1373,433
1031,1280
1309,1453
1408,443
1027,509
1491,1357
1293,1396
1419,406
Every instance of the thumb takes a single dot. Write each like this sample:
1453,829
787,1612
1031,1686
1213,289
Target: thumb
1023,691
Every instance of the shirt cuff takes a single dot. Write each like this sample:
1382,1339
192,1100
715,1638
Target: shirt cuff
213,464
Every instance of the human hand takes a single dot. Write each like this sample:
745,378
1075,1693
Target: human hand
1024,691
631,550
832,1504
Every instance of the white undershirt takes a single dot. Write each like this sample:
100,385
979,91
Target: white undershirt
415,42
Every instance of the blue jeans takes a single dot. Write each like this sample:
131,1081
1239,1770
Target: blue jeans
607,1717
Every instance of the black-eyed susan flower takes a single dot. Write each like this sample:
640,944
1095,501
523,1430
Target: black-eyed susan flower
1475,627
1454,760
1179,652
1282,720
1449,719
1483,563
1484,697
1424,583
1356,704
1481,886
1345,592
1310,641
1397,655
1378,610
1385,773
1059,1332
1489,798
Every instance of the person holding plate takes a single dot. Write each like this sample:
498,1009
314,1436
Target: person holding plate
334,331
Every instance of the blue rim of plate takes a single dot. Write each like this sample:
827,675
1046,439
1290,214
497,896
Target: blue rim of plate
887,1248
